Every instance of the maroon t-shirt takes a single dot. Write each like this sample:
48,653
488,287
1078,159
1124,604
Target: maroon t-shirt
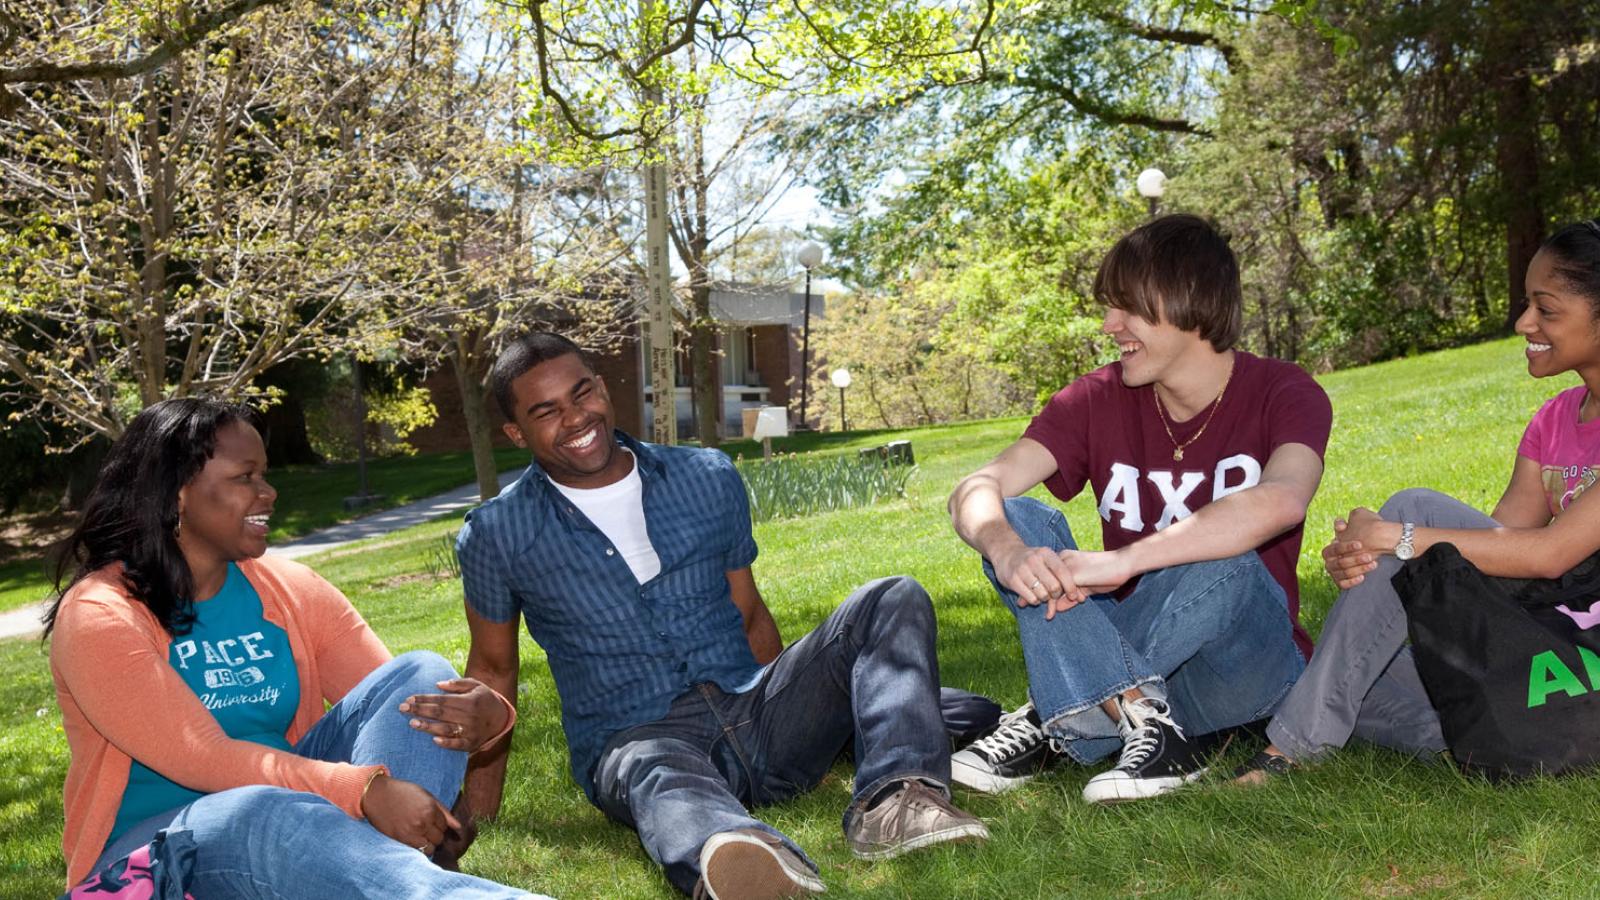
1110,435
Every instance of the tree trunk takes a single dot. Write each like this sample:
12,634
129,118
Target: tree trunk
1516,145
474,408
703,362
658,275
703,328
288,443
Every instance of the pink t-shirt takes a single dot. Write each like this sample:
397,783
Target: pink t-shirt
1567,451
1109,435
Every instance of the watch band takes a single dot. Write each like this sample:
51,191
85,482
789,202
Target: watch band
1406,548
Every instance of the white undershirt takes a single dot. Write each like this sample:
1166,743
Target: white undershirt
618,511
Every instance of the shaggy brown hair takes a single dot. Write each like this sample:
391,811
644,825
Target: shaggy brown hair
1178,269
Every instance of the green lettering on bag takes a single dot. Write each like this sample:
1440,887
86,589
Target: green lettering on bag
1591,666
1549,674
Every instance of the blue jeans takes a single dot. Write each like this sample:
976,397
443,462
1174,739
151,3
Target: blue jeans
869,669
1211,638
272,842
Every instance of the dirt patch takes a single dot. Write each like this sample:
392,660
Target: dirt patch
412,578
1402,884
29,535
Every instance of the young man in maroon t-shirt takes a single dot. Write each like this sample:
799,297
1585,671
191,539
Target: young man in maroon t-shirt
1203,459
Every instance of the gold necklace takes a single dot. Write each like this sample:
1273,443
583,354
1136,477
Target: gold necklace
1161,410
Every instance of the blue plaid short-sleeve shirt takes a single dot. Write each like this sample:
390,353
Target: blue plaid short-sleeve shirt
619,651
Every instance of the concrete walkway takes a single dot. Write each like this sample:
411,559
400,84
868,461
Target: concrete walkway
24,622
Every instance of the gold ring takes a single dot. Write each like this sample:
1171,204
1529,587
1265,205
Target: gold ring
459,729
1036,585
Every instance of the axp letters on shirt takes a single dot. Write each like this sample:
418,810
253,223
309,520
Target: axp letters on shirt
1121,495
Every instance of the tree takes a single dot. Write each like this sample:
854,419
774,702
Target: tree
909,363
616,77
246,203
1381,199
106,37
515,242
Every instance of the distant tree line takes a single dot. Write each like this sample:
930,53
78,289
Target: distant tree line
1385,172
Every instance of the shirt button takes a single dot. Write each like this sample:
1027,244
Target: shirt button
610,552
661,634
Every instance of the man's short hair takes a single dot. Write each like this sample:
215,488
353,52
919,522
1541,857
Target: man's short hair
523,354
1180,269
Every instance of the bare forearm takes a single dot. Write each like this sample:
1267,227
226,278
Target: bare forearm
1226,527
762,633
977,510
1503,552
486,769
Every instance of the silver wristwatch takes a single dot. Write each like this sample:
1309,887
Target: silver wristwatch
1406,549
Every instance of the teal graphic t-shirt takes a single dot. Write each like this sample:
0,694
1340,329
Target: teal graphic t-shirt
241,668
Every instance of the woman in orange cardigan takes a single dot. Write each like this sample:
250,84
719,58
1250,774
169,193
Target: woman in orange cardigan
193,673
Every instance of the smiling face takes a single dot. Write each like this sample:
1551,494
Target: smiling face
564,416
223,510
1152,352
1559,324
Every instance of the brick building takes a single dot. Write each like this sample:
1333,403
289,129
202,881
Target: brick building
758,344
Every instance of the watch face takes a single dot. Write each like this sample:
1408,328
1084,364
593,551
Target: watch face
1403,551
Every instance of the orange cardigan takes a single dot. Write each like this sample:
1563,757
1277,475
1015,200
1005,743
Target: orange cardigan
120,699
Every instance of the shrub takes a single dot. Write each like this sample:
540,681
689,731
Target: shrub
791,486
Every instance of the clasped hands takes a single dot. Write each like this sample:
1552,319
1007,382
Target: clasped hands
1357,542
1061,579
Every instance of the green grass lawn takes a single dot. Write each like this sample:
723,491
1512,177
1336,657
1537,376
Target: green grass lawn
1367,824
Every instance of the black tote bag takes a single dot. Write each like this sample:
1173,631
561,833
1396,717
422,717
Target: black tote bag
1512,674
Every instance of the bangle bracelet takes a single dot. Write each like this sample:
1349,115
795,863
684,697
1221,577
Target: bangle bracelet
362,803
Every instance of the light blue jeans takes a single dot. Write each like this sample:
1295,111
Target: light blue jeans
868,675
272,842
1211,638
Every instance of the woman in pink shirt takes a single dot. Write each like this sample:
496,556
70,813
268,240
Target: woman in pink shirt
1362,680
193,673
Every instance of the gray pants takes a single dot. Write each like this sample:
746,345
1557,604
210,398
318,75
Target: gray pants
1362,680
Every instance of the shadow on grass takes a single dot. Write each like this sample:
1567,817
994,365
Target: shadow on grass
23,581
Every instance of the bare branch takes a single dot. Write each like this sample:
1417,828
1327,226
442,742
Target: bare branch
1185,36
1100,110
188,36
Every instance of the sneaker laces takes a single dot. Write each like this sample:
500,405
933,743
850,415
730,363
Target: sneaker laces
1015,733
1144,714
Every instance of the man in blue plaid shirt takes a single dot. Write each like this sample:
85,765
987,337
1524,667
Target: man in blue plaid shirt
630,563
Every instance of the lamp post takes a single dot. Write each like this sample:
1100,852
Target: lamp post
841,380
1152,183
809,257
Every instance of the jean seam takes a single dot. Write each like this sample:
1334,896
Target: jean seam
840,634
1219,581
727,733
246,876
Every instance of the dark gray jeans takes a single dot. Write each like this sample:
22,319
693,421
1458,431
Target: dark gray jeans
1361,680
869,670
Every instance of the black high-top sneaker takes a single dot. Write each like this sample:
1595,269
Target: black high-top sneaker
1014,752
1156,758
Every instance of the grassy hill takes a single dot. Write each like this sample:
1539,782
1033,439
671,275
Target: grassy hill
1368,823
